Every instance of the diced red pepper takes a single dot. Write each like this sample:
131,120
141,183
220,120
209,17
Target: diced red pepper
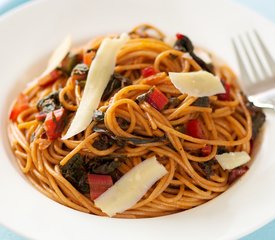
179,36
156,99
41,116
236,173
49,78
20,105
99,184
194,128
225,96
54,123
148,71
206,150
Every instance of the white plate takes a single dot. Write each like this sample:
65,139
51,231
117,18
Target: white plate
27,37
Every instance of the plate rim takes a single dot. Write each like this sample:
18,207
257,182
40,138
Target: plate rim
30,4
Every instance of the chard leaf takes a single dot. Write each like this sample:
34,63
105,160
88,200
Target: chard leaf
207,167
184,44
80,69
98,116
116,82
173,102
258,118
103,165
49,103
75,172
202,102
122,141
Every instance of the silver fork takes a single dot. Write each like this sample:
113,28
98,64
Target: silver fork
257,69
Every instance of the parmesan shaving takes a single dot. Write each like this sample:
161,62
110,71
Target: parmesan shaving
197,84
232,160
99,74
129,189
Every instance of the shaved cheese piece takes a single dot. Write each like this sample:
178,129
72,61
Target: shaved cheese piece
129,189
98,77
232,160
197,84
58,55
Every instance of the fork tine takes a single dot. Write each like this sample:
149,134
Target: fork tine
266,53
254,72
244,74
259,62
266,104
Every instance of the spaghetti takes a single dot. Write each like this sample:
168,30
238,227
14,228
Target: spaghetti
184,135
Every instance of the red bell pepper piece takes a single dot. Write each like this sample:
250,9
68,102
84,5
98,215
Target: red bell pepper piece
156,99
99,184
54,123
148,71
49,78
194,128
206,150
179,36
20,105
41,116
236,173
225,96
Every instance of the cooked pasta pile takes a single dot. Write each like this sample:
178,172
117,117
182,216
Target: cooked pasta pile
185,135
